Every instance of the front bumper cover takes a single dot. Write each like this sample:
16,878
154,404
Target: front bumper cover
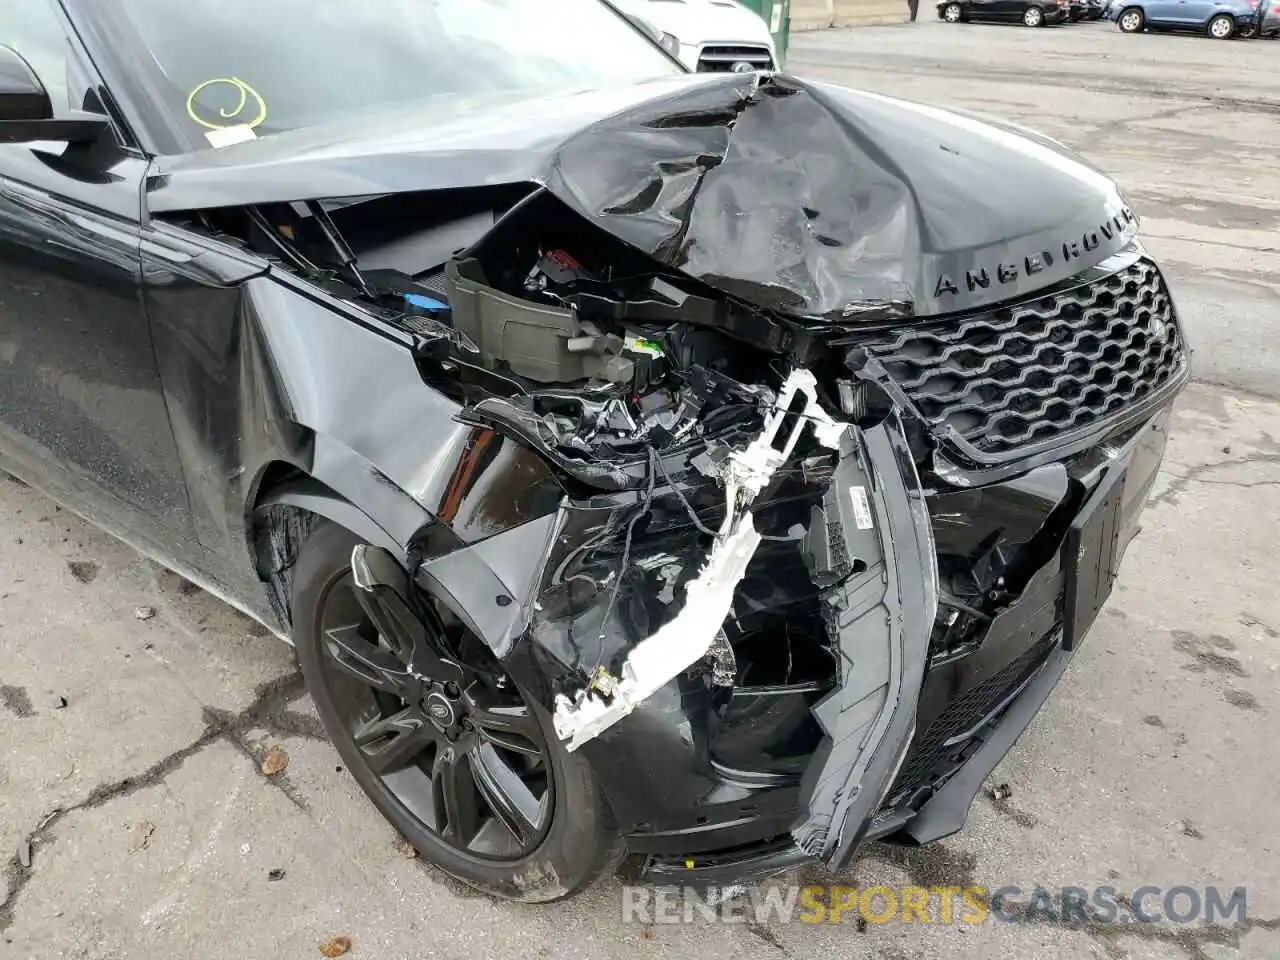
881,620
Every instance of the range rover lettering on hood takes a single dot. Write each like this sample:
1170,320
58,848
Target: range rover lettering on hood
1036,263
817,202
827,204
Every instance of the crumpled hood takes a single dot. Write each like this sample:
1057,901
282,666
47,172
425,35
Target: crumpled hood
823,202
817,201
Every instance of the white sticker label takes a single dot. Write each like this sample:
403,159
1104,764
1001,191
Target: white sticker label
861,508
775,21
226,136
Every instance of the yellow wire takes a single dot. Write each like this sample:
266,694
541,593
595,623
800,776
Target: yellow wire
246,92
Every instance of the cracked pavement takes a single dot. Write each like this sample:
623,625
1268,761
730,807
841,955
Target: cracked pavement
136,821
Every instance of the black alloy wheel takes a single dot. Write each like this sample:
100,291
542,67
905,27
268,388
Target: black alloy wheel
461,751
443,741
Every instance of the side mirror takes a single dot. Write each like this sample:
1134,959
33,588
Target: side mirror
26,112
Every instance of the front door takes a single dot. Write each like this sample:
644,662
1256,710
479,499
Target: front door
987,9
1005,9
1163,12
82,415
1194,12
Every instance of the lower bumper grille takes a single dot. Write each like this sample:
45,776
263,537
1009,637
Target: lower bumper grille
723,59
1015,376
944,746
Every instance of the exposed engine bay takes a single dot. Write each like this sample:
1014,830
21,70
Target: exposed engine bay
628,377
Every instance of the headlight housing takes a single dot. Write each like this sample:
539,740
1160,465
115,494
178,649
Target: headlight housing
671,44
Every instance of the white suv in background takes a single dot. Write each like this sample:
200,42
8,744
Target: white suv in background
710,35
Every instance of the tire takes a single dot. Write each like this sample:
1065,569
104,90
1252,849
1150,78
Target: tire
1033,17
952,13
1222,27
577,844
1131,20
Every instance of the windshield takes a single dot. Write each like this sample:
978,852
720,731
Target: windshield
224,65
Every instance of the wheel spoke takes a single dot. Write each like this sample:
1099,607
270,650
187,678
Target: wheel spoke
392,743
511,727
510,799
374,666
381,591
454,794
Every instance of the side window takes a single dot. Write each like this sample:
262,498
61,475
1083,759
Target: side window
34,30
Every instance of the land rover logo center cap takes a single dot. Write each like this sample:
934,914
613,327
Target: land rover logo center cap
440,710
743,66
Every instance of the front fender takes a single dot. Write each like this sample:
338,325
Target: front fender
375,433
314,497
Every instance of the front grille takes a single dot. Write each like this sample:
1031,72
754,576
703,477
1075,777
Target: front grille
1007,378
720,59
932,758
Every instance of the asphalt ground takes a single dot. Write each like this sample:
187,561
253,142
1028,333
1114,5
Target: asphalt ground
141,824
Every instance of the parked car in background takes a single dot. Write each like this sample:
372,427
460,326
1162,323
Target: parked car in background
1076,10
1269,26
1094,9
1219,19
708,36
1035,13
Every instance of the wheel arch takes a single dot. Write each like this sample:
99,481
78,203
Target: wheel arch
288,504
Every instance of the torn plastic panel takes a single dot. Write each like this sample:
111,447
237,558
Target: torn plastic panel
990,541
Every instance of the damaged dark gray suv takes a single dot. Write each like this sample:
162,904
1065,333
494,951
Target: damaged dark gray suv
720,468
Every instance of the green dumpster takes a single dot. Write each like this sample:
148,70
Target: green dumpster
777,14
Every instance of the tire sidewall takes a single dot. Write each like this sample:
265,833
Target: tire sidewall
578,845
1222,18
1140,22
946,11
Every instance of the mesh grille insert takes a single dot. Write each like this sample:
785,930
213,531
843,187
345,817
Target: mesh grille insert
1025,374
931,757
